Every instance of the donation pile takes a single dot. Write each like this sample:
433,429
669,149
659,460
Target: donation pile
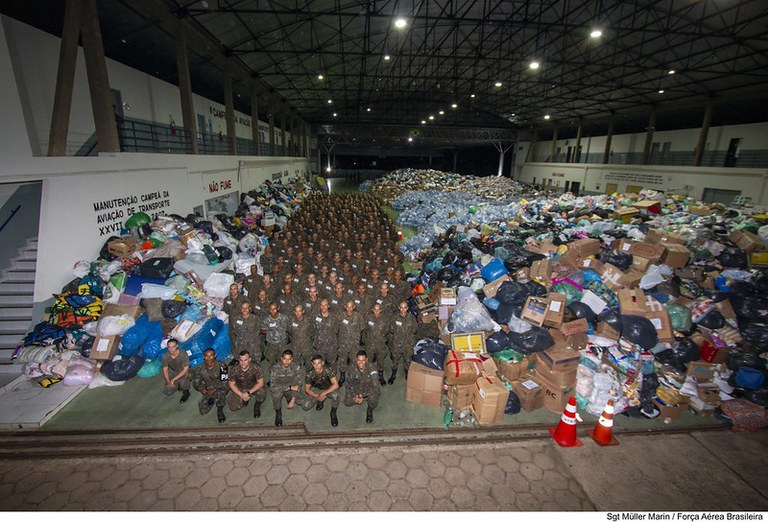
164,277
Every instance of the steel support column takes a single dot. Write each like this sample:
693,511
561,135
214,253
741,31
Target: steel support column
185,91
703,133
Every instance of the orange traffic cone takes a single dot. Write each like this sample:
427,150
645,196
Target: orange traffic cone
602,434
565,433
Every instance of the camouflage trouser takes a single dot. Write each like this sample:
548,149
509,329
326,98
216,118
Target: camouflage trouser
379,352
182,384
235,403
301,353
207,401
345,353
253,346
273,352
307,403
372,397
277,397
399,354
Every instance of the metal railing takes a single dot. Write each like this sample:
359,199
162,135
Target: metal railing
9,218
719,158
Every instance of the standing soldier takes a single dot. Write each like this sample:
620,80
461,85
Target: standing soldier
402,338
375,338
319,384
301,335
363,385
210,379
326,333
275,327
284,383
350,328
386,300
252,283
233,301
312,301
269,286
244,333
399,287
338,298
246,382
363,300
287,299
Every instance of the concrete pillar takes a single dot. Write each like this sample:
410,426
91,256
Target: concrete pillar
65,77
255,136
649,137
608,137
576,155
531,154
283,141
98,80
229,107
702,143
185,90
271,128
553,147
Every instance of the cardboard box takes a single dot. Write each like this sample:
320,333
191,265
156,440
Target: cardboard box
512,371
699,210
110,309
424,385
747,241
663,237
105,347
640,264
624,244
553,318
461,395
423,303
578,341
703,371
647,250
708,393
534,310
447,297
558,359
604,330
593,264
123,247
660,321
625,214
574,327
635,302
676,256
563,378
468,342
539,247
615,279
492,288
648,206
530,392
462,367
671,412
489,400
427,316
556,395
585,247
541,271
523,274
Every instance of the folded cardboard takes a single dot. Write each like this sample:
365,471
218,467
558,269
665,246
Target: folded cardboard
460,396
105,347
530,392
424,385
703,371
468,342
492,288
676,256
462,367
539,247
489,400
535,310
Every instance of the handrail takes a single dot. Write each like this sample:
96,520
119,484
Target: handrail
13,213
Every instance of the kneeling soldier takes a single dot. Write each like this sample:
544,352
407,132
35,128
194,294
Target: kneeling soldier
284,382
246,380
210,379
319,384
362,385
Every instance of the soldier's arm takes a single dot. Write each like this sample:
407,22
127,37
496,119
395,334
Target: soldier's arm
333,387
259,385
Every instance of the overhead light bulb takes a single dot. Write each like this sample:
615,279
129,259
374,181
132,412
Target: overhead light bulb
431,117
534,65
671,71
453,106
320,77
410,139
330,101
400,23
423,122
471,95
546,116
387,57
368,109
335,114
661,91
441,112
596,33
497,84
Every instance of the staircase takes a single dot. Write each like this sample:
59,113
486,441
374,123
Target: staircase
17,289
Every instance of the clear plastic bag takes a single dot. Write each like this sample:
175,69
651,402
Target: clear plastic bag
115,325
470,315
217,284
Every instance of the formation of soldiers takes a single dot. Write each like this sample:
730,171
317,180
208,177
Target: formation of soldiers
332,293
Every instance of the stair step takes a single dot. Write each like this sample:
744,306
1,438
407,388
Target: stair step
5,355
20,276
28,254
25,264
11,299
15,312
8,340
14,326
17,288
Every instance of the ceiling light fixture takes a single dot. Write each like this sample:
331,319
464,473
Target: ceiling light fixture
368,109
320,77
497,84
546,116
423,122
410,139
330,101
671,71
534,65
441,113
596,33
335,114
387,57
471,95
431,117
453,106
661,91
400,23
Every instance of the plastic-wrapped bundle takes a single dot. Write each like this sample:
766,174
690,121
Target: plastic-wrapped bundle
470,315
115,325
536,339
122,368
430,352
150,368
202,340
602,385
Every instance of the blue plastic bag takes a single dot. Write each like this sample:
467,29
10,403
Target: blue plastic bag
135,337
493,270
150,368
222,344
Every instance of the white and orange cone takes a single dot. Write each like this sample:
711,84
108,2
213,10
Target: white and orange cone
565,433
603,432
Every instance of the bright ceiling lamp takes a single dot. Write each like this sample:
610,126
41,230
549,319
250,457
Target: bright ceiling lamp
431,117
441,113
671,71
596,33
400,23
387,57
453,106
330,101
546,116
534,65
320,77
423,122
497,84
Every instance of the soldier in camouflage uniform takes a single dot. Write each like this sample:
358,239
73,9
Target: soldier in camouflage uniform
326,333
275,327
386,300
363,300
246,382
233,301
338,298
301,332
210,379
284,383
319,384
252,283
402,338
399,287
244,333
269,286
375,338
287,299
175,370
350,328
362,385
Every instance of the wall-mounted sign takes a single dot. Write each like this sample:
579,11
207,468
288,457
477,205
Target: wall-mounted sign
635,177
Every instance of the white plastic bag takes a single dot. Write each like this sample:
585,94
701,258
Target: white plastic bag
100,380
244,263
150,290
81,268
115,325
217,285
183,331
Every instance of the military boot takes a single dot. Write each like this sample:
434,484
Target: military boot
334,418
405,372
220,414
278,417
184,396
256,410
342,378
393,376
369,415
319,405
382,381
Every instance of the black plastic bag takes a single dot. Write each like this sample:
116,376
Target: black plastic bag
748,306
449,258
733,258
224,253
123,369
712,320
582,311
503,314
620,260
756,333
686,350
497,342
611,318
104,252
512,292
534,340
639,330
172,308
513,404
535,289
449,276
431,353
71,287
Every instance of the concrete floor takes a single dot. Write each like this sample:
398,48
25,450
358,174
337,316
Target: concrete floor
703,471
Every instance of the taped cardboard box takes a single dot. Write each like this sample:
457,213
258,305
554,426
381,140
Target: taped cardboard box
523,274
703,371
534,310
460,396
539,247
541,271
563,378
424,385
660,321
530,392
605,330
423,303
663,237
512,371
616,279
489,400
558,358
585,247
747,241
105,347
553,317
648,206
625,214
647,250
693,273
676,256
492,288
669,411
574,327
123,247
556,395
624,244
591,264
462,367
640,264
635,302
